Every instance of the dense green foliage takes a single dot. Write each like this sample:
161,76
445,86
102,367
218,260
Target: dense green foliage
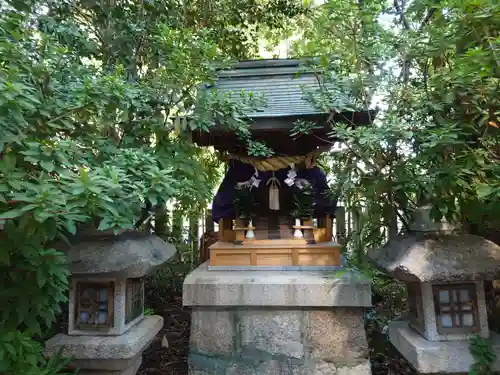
95,98
433,69
303,202
244,203
91,97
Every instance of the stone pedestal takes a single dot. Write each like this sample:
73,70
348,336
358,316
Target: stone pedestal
435,357
277,323
107,355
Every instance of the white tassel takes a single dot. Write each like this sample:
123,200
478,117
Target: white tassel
274,193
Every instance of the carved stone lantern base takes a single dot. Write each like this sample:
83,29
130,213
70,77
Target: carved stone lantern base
107,355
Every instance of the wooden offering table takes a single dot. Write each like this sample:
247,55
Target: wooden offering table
275,254
317,252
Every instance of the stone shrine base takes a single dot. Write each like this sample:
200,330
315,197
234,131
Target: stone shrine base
277,323
435,357
107,355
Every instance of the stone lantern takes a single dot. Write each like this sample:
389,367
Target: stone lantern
444,272
107,329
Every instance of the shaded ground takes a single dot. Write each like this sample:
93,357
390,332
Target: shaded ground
385,357
158,360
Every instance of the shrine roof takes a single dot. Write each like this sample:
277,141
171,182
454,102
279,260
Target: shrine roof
287,85
283,82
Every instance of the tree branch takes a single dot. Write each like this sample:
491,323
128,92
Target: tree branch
427,18
401,14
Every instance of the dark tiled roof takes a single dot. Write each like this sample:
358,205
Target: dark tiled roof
283,82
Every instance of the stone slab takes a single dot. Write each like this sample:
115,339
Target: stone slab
321,368
126,346
240,369
108,364
361,369
273,332
275,367
130,370
212,331
328,368
203,287
337,335
434,357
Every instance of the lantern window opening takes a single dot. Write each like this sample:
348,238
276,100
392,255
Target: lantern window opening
415,304
134,299
456,308
94,305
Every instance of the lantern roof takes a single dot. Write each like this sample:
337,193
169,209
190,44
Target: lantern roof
433,257
437,252
127,255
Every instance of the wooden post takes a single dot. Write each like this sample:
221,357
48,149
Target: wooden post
348,221
226,232
322,233
209,223
193,238
177,224
355,219
329,228
340,225
308,233
161,221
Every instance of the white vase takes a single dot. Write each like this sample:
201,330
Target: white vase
298,232
250,234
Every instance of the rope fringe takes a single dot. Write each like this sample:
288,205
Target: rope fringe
277,162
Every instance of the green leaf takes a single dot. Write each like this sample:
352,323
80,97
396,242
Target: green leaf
41,278
4,256
22,309
70,226
47,165
104,224
12,214
10,348
484,191
28,207
33,325
59,297
9,336
4,365
32,359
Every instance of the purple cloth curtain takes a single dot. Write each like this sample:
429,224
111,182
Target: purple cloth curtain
222,205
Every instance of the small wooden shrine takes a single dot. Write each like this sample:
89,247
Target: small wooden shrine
275,212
